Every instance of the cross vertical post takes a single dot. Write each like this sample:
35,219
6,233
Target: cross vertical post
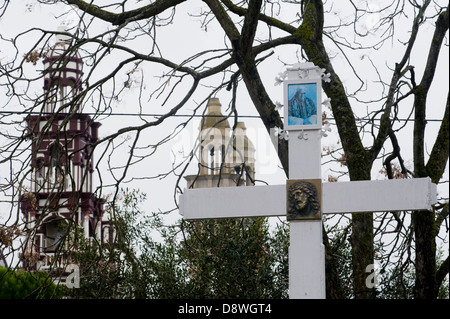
306,249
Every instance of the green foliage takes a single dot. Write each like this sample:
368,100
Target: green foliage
27,285
233,258
111,270
395,276
227,258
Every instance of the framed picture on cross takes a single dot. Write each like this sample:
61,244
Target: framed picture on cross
302,104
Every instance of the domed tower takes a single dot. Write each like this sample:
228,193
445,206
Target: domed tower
226,157
61,199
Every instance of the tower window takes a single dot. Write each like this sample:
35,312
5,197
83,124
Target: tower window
54,233
56,171
40,171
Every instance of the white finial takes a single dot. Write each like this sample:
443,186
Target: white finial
67,25
62,37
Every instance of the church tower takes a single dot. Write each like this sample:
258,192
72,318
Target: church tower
226,156
61,198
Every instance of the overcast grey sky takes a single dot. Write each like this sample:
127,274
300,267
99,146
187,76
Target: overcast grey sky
177,43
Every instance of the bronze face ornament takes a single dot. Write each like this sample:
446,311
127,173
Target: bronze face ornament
303,201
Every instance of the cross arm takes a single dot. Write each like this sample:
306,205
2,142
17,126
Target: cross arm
226,202
379,196
341,197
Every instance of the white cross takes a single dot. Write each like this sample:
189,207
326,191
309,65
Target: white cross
306,250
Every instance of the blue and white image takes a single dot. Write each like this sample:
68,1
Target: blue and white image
302,104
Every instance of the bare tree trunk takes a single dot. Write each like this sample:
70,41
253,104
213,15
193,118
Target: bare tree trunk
362,254
423,223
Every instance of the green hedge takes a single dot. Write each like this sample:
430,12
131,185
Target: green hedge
27,285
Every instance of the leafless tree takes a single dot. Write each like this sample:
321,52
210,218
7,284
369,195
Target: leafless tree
384,61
